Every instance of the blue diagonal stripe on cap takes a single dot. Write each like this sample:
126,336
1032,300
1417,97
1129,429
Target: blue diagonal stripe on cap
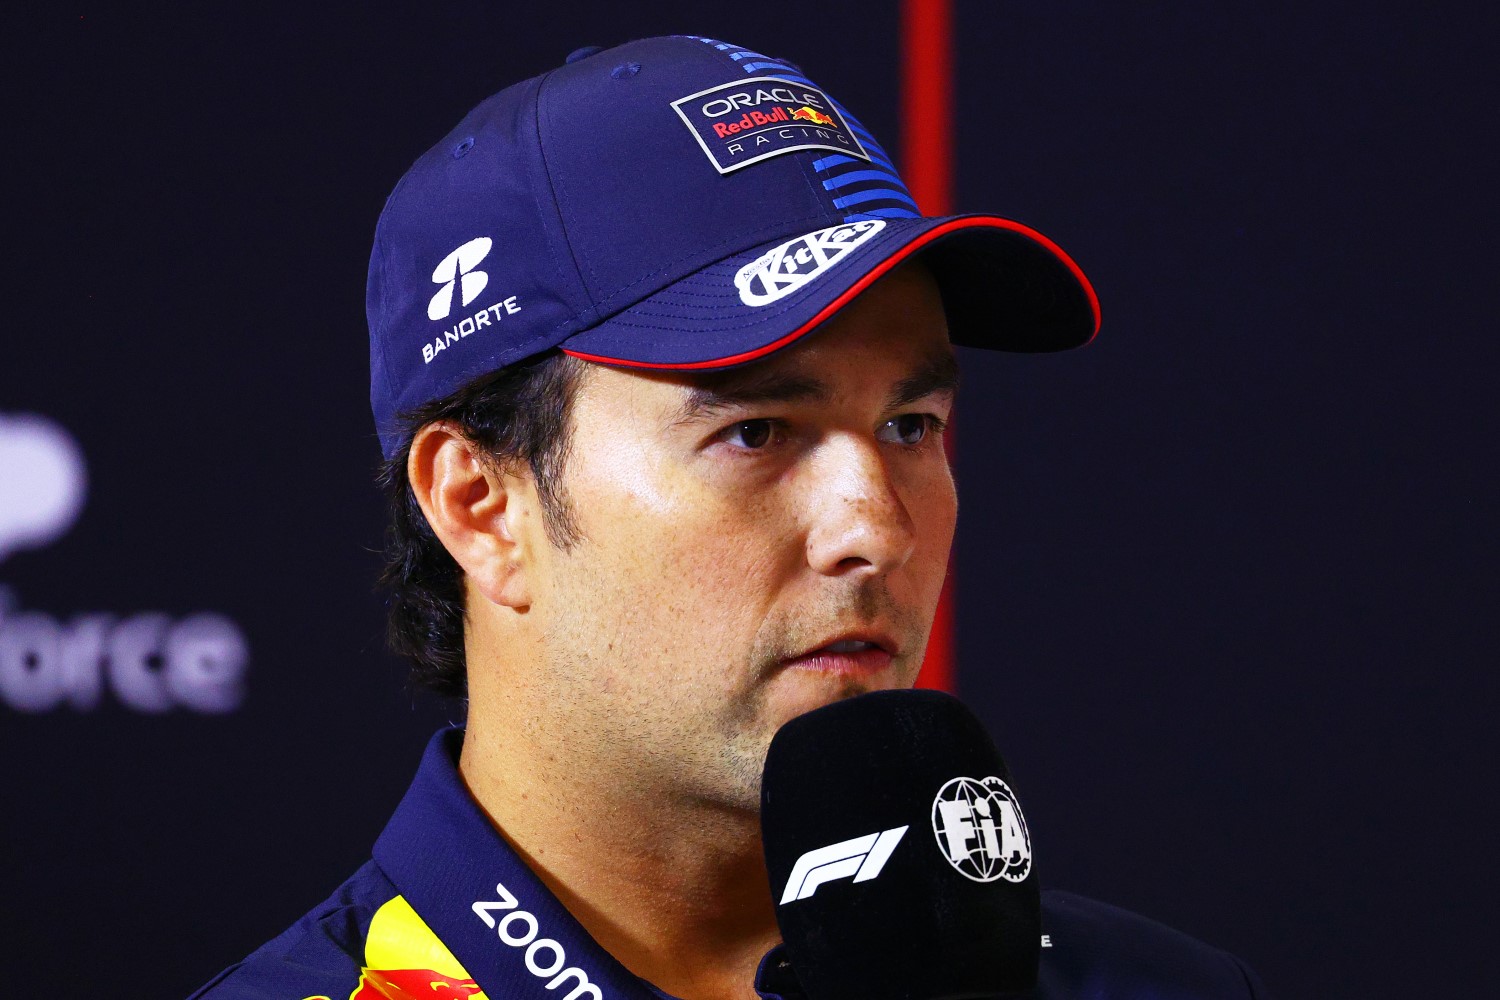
855,176
840,171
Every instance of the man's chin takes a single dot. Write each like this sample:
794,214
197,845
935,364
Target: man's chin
797,691
788,694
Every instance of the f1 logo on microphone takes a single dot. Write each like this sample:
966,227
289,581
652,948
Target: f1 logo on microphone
862,857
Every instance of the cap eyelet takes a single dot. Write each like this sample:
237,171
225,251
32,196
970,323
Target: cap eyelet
463,148
624,70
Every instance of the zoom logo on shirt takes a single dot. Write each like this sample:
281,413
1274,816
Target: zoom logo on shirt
544,957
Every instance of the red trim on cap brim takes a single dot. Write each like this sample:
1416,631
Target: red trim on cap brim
874,274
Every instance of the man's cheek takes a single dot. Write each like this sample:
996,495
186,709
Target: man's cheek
936,520
753,549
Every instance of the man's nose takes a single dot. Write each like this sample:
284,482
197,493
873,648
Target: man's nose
860,523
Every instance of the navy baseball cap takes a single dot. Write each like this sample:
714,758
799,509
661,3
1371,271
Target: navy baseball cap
672,203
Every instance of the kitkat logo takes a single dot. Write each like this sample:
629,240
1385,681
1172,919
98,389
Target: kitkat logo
787,268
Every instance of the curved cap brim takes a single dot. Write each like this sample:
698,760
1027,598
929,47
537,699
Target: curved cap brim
1005,287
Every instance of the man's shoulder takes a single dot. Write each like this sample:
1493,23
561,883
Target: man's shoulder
1094,949
321,954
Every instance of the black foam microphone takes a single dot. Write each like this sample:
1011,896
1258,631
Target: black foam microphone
899,859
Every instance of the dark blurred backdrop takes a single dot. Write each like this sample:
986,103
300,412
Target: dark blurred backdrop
1225,584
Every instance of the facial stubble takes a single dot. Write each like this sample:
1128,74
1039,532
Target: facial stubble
677,747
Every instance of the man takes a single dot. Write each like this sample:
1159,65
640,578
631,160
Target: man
660,362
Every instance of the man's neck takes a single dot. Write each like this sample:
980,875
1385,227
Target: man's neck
676,890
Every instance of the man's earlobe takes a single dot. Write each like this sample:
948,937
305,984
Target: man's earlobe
474,509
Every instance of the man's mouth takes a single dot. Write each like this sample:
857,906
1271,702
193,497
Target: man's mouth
851,655
850,646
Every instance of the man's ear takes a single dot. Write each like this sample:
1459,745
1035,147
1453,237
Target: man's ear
475,509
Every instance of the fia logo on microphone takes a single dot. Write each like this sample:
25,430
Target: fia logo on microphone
980,830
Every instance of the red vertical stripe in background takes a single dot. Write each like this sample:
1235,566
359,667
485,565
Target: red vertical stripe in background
926,164
926,103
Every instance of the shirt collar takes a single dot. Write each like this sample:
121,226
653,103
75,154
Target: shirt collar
481,900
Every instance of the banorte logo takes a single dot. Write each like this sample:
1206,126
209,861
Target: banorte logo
151,661
458,269
980,829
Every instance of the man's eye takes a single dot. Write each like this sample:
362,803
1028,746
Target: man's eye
750,433
909,428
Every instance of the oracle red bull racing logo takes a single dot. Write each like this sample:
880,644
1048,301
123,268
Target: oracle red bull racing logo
748,121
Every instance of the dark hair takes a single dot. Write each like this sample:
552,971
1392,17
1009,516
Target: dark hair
521,413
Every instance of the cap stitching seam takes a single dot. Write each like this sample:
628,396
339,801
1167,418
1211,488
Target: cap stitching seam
555,187
724,55
385,289
606,306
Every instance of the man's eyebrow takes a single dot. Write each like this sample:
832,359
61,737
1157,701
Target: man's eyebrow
939,374
735,389
729,390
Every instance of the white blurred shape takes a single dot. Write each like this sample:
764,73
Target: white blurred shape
43,482
206,657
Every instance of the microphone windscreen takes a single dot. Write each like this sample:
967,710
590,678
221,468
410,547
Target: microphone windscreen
898,855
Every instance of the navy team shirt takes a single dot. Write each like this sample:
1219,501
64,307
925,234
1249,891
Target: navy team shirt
445,910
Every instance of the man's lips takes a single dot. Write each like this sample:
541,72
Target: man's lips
850,655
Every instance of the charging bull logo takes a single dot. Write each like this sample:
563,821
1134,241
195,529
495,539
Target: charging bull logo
752,120
405,960
806,114
411,984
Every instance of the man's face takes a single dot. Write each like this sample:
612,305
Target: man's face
756,543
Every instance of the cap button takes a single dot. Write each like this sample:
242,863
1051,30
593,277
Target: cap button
584,52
